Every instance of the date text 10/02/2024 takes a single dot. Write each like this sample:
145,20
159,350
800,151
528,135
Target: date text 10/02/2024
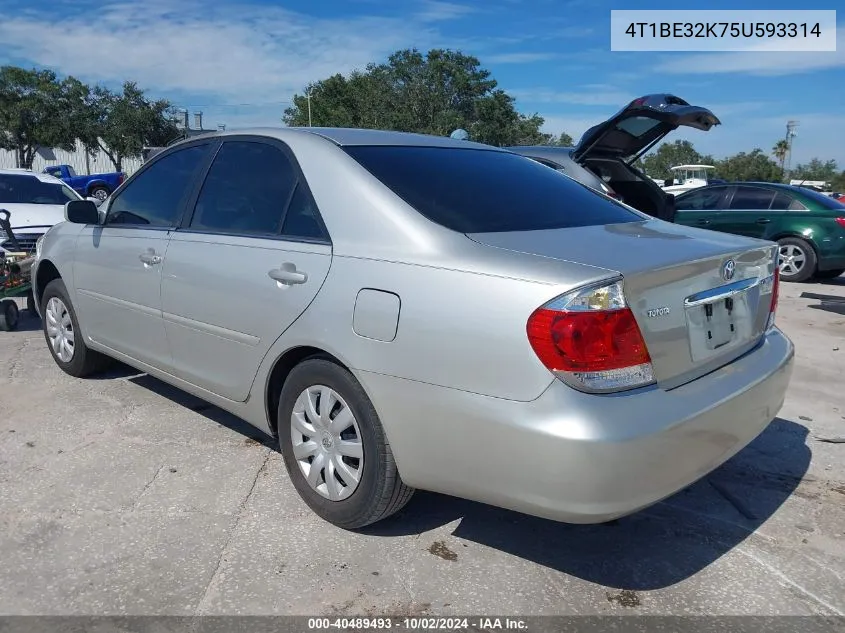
417,623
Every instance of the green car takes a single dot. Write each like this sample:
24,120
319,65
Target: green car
809,226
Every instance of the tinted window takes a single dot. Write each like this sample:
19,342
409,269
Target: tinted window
154,196
479,191
246,190
704,199
31,190
782,202
302,219
751,198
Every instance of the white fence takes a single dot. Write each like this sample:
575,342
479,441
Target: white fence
82,164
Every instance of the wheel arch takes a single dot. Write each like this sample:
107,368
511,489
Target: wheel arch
282,367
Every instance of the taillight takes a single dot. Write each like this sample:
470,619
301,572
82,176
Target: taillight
771,284
841,222
590,339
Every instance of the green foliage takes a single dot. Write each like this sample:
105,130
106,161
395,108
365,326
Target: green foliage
38,110
434,93
754,165
122,124
657,164
816,170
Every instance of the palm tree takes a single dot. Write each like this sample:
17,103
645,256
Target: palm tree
780,150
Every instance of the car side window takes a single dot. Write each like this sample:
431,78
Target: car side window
246,190
702,200
302,219
154,197
752,198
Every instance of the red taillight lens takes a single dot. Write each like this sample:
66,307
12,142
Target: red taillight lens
590,339
587,341
841,222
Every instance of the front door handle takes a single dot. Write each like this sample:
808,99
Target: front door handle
287,274
763,220
149,258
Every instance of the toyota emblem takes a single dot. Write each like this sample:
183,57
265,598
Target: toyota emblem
729,270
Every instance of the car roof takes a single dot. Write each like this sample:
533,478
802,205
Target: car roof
20,171
350,137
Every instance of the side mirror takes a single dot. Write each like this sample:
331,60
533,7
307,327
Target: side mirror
82,212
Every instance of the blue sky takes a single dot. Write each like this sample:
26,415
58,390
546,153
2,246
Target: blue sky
241,61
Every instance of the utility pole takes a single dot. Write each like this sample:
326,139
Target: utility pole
308,94
790,134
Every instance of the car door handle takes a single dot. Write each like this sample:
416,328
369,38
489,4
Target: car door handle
149,258
763,220
704,222
287,274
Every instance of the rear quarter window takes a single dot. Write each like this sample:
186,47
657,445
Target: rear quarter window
487,191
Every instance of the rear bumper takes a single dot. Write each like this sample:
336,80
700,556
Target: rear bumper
576,457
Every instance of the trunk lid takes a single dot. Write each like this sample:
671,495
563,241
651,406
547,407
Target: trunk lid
696,311
640,125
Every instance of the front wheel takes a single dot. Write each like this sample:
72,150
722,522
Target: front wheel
335,449
61,331
796,259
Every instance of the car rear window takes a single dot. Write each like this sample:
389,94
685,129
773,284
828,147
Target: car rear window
485,191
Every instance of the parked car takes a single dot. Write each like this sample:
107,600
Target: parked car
604,157
808,226
98,186
35,202
406,311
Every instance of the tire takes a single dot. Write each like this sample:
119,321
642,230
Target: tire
830,274
802,265
101,193
9,315
379,491
56,307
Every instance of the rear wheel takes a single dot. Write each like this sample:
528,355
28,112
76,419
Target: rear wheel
61,330
9,315
796,259
335,449
830,274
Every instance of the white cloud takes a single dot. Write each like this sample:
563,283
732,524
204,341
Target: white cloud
437,11
758,63
519,58
240,53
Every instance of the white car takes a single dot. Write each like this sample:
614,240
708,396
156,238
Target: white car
35,202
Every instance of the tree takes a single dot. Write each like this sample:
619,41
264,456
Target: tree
434,93
658,163
780,150
752,166
38,110
815,170
122,124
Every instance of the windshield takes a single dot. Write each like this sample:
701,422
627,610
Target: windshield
31,190
484,191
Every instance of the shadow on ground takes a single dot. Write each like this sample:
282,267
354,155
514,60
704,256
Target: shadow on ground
652,549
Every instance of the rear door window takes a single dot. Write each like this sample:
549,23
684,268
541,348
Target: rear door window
751,199
486,191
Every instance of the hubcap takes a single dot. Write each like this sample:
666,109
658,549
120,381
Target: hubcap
59,329
326,442
791,260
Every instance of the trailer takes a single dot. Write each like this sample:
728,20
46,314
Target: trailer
15,277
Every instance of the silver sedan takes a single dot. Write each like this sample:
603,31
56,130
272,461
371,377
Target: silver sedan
404,311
